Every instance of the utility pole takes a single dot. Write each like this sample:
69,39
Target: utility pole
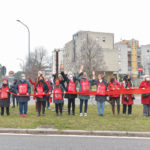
57,61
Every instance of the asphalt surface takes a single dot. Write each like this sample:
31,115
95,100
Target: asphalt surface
54,142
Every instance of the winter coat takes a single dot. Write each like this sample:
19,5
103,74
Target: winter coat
58,101
22,99
145,84
13,90
114,86
79,78
69,96
100,98
127,99
45,90
5,102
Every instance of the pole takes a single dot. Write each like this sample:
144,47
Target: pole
57,64
28,40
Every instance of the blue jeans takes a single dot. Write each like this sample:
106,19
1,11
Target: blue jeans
85,106
100,107
23,105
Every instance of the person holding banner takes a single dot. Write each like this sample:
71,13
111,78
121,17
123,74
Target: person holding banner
48,97
23,89
101,86
58,97
71,87
84,87
145,98
4,97
112,86
40,89
127,100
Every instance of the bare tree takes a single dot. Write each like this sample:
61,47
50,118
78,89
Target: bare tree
39,60
91,56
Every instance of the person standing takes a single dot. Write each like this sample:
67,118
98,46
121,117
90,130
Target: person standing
5,97
14,97
114,85
101,86
58,97
41,88
48,97
23,89
127,99
145,98
84,87
71,87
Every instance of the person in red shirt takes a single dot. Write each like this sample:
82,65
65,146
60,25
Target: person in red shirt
114,85
145,98
127,100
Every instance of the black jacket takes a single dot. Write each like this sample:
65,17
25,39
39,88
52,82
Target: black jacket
69,96
45,90
99,97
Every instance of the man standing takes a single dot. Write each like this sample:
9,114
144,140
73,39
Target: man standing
23,89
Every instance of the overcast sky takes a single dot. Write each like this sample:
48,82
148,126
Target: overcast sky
52,23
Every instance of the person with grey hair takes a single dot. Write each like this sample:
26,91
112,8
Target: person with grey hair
23,89
145,98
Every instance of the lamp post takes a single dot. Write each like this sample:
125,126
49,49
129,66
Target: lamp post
28,39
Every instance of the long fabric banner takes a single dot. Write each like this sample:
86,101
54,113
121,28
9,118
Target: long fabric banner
113,92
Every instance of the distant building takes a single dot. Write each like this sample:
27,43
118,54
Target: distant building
129,55
145,58
72,51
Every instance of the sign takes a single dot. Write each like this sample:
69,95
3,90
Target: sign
3,70
11,73
140,69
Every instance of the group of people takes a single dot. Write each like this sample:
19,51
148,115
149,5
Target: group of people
65,83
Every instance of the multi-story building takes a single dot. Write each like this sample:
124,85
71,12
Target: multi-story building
145,58
72,51
129,54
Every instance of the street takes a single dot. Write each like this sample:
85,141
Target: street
64,142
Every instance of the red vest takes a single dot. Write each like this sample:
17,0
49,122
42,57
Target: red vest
39,91
57,96
71,86
23,88
4,93
85,86
101,89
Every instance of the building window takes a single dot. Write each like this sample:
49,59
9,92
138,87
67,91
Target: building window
103,39
97,39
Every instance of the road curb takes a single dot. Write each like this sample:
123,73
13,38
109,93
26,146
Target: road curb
74,132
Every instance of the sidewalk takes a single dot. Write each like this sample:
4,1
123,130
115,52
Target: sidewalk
74,132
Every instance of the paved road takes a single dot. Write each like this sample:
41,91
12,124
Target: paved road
37,142
92,101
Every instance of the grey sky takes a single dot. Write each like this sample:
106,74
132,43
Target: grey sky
52,23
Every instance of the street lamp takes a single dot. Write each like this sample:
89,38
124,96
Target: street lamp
28,39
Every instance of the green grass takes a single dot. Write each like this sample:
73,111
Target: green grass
136,122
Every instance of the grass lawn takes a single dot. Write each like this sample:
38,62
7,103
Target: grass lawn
136,122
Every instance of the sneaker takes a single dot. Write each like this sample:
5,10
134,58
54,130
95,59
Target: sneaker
81,114
25,115
48,108
21,115
85,114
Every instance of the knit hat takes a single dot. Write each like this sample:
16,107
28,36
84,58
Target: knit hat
5,79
